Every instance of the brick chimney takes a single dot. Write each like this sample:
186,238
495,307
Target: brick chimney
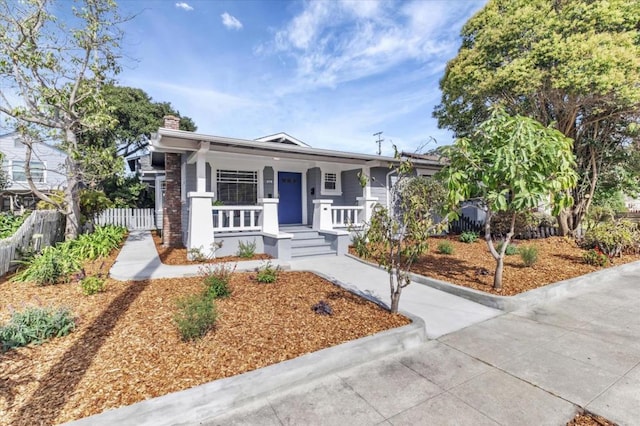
171,122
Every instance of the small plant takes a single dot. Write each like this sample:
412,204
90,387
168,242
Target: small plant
359,242
52,265
35,325
469,237
199,254
595,257
510,251
529,255
612,238
216,279
195,316
246,250
445,247
92,285
267,273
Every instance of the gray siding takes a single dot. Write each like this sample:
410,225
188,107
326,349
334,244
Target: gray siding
378,183
351,188
267,175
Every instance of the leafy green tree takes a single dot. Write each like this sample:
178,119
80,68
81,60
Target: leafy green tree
511,164
397,238
136,116
56,69
573,64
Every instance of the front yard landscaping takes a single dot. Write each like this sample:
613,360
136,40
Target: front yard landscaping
126,347
471,265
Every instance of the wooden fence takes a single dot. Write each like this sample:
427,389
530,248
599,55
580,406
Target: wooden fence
41,229
132,219
632,216
464,224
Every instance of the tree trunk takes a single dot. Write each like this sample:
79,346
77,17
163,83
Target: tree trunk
395,299
72,191
497,277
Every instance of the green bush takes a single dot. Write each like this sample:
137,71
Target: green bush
52,265
57,263
35,325
529,255
92,285
267,273
9,224
445,247
510,251
595,257
469,237
359,242
195,316
612,238
216,278
246,250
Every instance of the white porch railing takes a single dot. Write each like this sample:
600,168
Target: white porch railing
236,218
344,216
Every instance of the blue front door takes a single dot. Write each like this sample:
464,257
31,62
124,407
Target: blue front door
290,193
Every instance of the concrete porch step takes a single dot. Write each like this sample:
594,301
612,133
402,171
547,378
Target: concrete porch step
309,242
311,252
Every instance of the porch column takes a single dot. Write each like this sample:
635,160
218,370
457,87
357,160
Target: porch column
322,220
269,217
366,191
201,167
367,204
201,223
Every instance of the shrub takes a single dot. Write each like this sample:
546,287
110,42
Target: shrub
92,285
267,273
611,238
246,250
195,316
529,255
52,265
445,247
359,242
595,257
510,251
9,224
469,237
35,325
216,278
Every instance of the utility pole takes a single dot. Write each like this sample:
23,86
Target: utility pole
379,142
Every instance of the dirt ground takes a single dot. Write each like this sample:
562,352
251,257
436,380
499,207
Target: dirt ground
126,348
587,419
471,265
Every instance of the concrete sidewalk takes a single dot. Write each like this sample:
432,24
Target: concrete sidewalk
531,367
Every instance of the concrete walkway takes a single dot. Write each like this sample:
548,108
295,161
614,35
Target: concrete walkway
530,367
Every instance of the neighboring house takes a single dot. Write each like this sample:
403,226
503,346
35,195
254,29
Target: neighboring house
47,171
275,191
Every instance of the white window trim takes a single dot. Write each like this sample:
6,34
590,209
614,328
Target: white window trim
214,179
332,192
44,172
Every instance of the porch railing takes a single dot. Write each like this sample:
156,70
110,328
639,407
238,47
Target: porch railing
344,216
236,218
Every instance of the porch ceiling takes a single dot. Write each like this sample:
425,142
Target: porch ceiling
178,141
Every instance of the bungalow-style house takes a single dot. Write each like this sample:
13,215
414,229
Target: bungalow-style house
47,171
286,197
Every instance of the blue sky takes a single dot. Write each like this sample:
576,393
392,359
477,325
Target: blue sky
330,73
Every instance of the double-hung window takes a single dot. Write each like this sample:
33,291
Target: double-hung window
237,187
18,173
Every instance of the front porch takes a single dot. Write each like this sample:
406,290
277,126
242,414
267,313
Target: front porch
329,233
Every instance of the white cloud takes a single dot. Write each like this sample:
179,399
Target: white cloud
184,6
231,22
335,42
